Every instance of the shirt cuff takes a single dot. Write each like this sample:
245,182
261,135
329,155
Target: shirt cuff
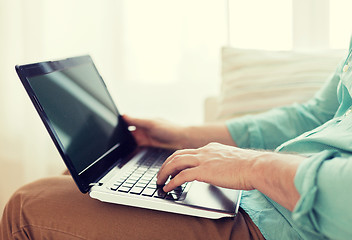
245,132
306,184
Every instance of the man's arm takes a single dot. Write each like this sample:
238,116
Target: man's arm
270,129
324,183
160,133
274,176
199,136
230,167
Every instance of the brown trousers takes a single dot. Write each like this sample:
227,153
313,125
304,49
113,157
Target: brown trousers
53,208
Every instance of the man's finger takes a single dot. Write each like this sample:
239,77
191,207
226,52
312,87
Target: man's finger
187,175
172,168
177,154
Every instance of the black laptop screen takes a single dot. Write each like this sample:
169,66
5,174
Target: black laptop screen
81,111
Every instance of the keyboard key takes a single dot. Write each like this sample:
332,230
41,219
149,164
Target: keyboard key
136,190
132,179
177,190
145,179
142,169
143,185
145,182
152,185
148,192
128,185
130,182
170,197
175,195
124,189
160,194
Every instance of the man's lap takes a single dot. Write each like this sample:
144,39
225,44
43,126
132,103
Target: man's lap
54,208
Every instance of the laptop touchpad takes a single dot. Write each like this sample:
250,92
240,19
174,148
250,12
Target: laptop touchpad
211,197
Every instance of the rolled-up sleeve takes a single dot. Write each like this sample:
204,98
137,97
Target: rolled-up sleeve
325,206
270,129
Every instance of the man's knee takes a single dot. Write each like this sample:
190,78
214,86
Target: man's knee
23,206
12,215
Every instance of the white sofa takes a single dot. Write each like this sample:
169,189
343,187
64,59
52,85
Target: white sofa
256,80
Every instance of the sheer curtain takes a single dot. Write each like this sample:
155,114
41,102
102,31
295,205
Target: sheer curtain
158,58
34,31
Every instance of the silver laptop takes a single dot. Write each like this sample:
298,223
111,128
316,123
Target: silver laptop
99,150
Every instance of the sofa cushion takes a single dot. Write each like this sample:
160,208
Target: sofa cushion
257,80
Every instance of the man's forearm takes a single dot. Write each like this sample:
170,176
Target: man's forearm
273,174
199,136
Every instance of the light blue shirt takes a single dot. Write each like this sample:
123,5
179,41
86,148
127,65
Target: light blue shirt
322,130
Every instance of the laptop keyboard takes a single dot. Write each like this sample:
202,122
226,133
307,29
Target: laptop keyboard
141,179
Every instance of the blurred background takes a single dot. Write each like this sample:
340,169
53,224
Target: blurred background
159,58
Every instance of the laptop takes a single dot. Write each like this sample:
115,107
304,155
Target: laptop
98,148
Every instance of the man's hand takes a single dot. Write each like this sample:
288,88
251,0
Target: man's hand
216,164
230,167
157,133
160,133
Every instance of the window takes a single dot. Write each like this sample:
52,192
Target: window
170,42
261,24
340,23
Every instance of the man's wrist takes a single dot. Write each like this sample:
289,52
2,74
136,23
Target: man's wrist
185,138
273,175
199,136
191,137
258,168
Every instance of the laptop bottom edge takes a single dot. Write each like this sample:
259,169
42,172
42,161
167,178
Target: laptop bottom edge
162,204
